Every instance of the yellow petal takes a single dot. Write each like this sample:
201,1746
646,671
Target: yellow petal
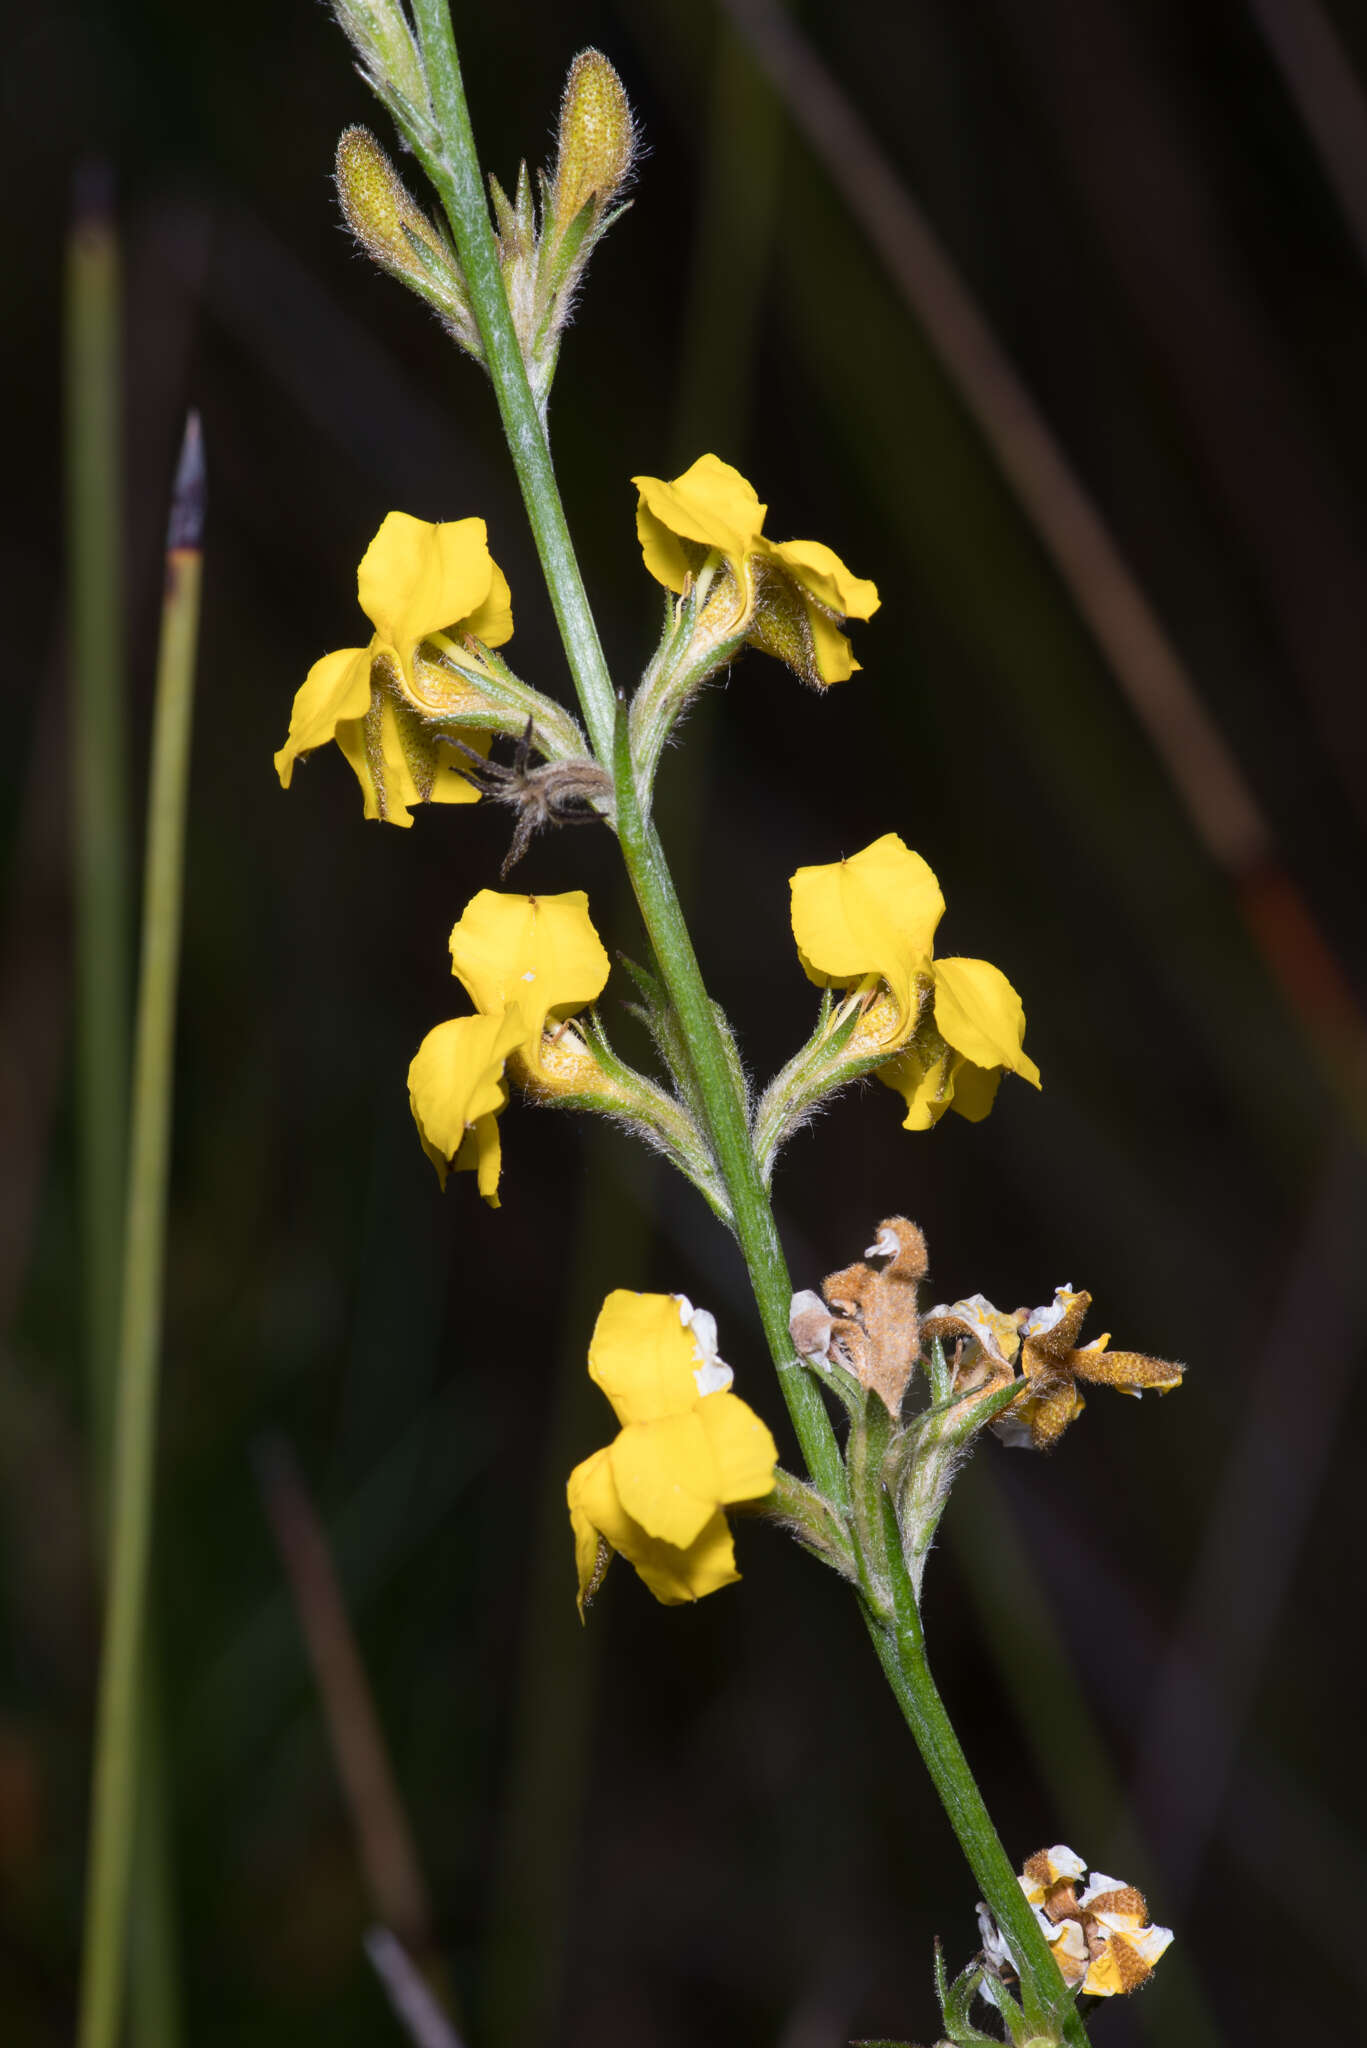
642,1357
673,1575
926,1086
979,1013
742,1448
581,1492
711,504
831,651
455,1078
540,952
492,622
336,690
874,913
395,759
974,1089
821,572
666,1477
416,577
481,1153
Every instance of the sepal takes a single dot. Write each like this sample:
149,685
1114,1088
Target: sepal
703,633
847,1044
576,1068
956,2002
811,1520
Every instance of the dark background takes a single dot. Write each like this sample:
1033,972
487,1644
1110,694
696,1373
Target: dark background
710,1823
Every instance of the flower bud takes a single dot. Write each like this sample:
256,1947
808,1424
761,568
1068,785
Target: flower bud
394,231
597,140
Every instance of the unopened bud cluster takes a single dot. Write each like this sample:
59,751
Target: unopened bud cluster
543,246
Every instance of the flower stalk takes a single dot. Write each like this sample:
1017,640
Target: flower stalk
454,168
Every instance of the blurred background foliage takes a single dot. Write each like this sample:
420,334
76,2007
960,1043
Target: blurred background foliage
711,1822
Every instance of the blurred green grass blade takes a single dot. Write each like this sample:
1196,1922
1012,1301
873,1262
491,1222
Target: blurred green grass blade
100,823
732,256
132,1471
153,1956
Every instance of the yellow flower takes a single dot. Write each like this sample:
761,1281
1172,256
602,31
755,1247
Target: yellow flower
456,1091
867,924
786,597
539,952
527,962
686,1449
415,580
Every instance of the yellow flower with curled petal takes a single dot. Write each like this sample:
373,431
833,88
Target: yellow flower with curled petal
416,579
787,598
456,1090
687,1449
528,963
946,1029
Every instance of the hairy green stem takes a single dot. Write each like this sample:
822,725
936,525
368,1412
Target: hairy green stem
122,1662
456,174
1049,2006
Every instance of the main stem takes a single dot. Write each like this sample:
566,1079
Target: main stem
456,174
901,1652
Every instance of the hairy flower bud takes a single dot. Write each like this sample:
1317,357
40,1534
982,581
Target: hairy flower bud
396,234
597,140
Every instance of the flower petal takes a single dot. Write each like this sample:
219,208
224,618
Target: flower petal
335,690
455,1078
540,952
673,1575
821,572
979,1013
481,1153
416,577
642,1357
925,1085
874,913
744,1452
711,504
492,621
666,1477
592,1499
394,757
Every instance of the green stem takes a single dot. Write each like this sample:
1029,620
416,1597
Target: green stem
1049,2006
131,1480
456,174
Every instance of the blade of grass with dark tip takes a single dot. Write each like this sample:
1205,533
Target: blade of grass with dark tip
384,1839
123,1661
